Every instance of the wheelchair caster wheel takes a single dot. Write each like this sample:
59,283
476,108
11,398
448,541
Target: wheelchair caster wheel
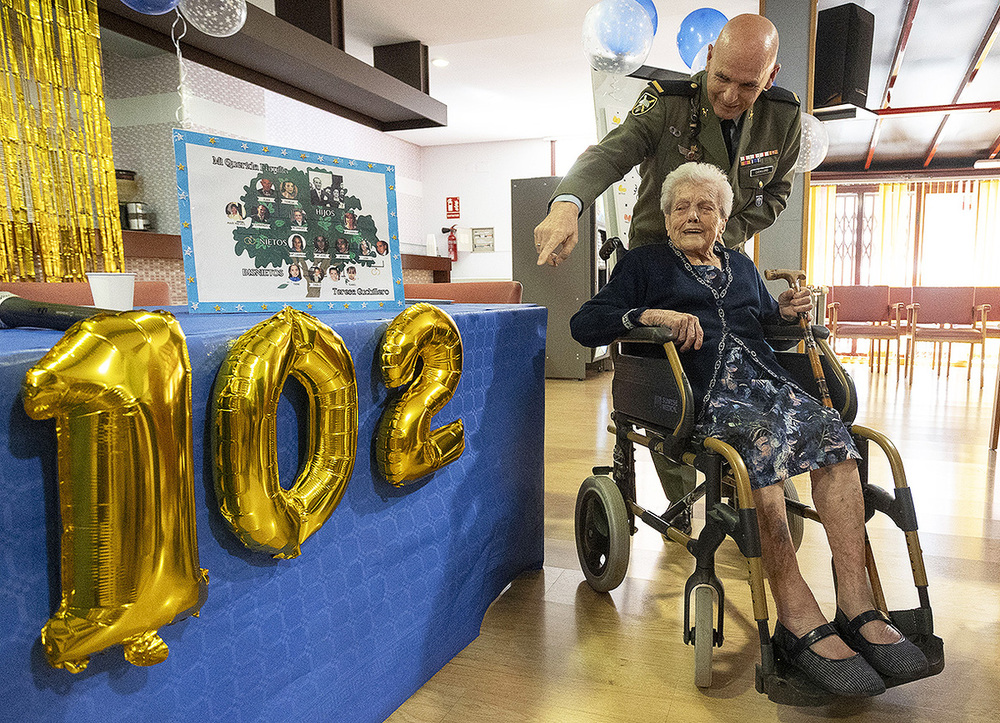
602,533
704,635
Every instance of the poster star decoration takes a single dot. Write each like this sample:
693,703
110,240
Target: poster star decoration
262,224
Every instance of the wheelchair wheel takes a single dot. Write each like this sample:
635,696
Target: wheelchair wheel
796,524
704,635
602,533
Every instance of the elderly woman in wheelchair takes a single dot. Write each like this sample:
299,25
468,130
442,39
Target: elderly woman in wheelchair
716,307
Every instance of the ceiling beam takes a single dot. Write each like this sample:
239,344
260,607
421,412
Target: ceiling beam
897,61
995,148
981,105
985,43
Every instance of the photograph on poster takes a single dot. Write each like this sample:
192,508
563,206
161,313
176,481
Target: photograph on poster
341,237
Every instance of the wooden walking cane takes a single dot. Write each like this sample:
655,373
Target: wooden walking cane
793,278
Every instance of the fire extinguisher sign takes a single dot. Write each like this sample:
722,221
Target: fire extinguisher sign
451,207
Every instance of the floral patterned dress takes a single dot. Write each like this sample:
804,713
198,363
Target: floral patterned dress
778,429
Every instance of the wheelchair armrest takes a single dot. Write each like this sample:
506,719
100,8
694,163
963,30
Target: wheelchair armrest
783,338
650,335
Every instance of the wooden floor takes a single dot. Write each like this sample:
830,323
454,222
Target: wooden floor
553,650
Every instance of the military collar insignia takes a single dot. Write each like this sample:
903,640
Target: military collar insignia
645,103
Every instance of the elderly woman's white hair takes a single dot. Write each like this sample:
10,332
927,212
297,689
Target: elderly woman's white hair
697,174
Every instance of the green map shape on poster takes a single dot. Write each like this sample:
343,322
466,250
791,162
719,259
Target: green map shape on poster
267,242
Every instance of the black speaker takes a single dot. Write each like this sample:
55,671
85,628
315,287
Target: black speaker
405,61
843,56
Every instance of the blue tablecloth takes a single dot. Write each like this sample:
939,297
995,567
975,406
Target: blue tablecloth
393,586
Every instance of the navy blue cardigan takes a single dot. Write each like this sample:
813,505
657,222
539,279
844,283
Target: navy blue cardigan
659,276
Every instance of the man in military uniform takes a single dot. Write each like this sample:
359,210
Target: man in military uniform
730,115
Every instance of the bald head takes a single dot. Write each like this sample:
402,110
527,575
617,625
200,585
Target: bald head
751,32
741,64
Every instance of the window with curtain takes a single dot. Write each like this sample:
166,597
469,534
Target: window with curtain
934,233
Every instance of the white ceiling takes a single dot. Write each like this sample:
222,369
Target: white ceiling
516,67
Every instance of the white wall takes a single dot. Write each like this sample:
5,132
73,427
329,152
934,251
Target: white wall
480,175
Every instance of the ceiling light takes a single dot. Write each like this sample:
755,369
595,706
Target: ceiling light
439,62
987,163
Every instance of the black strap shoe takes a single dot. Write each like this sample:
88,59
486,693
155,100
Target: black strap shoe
902,659
849,676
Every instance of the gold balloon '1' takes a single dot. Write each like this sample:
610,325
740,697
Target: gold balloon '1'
263,515
119,387
406,448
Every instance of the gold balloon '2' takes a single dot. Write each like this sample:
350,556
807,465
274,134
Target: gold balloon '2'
406,448
119,387
263,515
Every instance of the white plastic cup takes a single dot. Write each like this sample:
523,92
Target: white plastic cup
112,291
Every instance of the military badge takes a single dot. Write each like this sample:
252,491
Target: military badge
645,103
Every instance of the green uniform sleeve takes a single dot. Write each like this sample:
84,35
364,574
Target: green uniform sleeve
621,149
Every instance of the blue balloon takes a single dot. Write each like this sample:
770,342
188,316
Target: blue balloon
151,7
650,9
699,28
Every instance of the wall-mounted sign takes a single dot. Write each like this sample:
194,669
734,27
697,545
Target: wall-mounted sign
451,207
265,227
482,240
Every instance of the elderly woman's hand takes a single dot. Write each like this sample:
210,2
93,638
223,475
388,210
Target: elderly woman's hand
687,328
791,303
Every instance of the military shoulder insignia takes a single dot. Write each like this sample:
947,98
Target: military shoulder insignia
645,103
781,94
675,87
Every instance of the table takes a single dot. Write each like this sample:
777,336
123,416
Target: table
389,590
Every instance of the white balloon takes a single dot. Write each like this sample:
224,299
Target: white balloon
218,18
815,144
617,36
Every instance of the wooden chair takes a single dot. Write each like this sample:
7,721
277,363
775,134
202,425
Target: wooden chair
470,292
77,293
990,296
946,314
865,312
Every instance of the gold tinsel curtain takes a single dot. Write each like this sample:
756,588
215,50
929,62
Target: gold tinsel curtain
61,204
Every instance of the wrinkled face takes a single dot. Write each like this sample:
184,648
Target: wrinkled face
317,183
695,219
735,79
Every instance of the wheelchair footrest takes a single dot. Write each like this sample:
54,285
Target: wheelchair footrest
788,685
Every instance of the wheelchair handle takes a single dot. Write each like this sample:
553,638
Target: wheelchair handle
612,245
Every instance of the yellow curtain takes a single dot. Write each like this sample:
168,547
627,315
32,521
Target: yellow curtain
61,204
893,250
822,214
986,266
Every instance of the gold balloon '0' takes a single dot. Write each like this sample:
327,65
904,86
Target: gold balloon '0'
119,386
263,515
406,448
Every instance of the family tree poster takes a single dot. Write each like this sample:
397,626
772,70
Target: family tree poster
264,227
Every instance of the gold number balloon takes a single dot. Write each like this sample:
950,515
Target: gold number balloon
263,515
406,448
119,387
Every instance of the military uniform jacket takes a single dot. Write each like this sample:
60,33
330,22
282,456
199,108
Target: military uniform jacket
673,122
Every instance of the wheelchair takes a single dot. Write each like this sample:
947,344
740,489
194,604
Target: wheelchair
653,407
